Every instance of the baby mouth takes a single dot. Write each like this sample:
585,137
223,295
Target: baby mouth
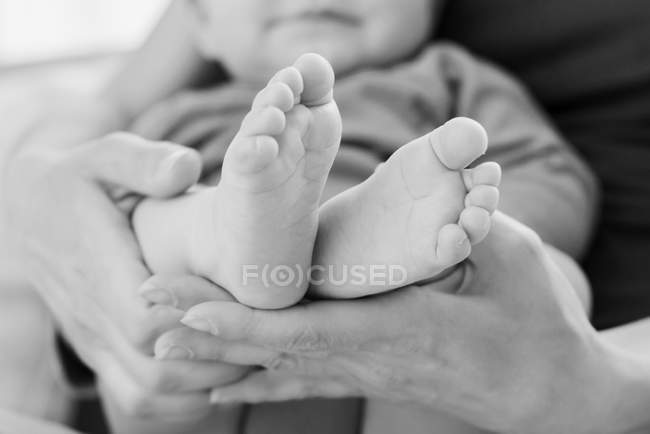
324,16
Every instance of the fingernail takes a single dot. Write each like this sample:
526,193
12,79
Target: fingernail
159,296
175,352
170,161
200,324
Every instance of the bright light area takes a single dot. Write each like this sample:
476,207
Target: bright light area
34,30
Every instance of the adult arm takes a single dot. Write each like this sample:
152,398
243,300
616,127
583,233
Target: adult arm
65,200
166,63
67,214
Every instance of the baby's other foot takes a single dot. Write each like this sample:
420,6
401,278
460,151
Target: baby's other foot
416,216
256,231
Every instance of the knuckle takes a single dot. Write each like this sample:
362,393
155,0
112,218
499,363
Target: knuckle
280,361
309,339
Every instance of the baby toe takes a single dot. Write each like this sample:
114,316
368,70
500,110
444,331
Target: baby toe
459,142
292,78
318,79
483,196
476,223
276,94
453,245
251,154
488,173
266,120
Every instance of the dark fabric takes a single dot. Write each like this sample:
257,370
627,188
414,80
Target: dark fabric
310,416
88,416
588,63
77,374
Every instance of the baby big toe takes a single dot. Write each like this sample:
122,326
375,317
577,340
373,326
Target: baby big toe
476,222
453,245
459,142
318,79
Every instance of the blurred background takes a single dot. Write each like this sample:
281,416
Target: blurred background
68,41
73,44
46,30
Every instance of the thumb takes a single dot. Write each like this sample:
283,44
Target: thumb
157,169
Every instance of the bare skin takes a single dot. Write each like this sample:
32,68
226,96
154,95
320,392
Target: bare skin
264,213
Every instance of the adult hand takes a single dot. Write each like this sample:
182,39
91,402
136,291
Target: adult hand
512,351
207,119
68,212
190,117
141,388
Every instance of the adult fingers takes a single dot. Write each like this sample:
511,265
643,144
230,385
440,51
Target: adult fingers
318,327
135,400
147,374
173,376
158,169
187,344
273,386
298,328
182,291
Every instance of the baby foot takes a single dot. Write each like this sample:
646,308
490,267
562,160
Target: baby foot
257,228
416,216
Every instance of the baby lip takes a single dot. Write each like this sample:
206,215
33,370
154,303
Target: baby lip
320,15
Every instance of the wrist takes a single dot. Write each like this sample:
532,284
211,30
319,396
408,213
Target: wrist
597,389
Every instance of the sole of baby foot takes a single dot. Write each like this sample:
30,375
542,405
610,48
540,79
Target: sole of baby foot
256,230
415,217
